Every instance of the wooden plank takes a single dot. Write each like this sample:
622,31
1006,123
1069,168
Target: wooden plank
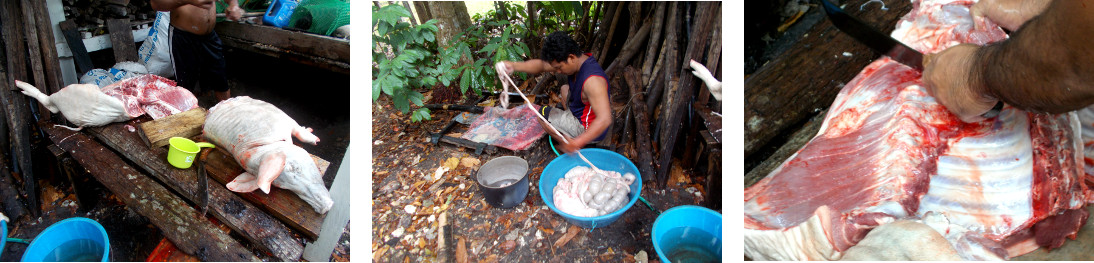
309,44
156,133
177,220
76,45
712,122
244,218
121,37
15,103
50,62
280,203
785,92
34,54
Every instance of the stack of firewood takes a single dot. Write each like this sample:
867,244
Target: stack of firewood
91,15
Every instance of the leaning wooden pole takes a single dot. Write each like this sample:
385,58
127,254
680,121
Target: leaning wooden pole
655,41
641,125
15,104
676,107
607,43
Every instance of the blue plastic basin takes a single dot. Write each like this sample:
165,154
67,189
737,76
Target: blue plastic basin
690,231
603,159
73,239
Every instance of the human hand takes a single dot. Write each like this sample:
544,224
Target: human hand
1009,14
506,66
234,13
947,76
571,145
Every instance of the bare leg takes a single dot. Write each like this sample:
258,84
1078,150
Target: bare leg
565,93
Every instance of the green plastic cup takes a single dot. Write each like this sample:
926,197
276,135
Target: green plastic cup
182,151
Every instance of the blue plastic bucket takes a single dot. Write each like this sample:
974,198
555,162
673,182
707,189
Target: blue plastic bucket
688,234
603,159
3,234
278,13
73,239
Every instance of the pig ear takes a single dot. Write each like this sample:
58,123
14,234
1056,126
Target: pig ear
244,183
271,167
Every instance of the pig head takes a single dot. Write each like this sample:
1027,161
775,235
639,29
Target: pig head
288,167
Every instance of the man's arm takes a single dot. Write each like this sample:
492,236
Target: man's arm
232,11
532,66
596,91
1047,64
169,5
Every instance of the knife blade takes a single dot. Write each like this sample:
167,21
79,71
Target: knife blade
880,42
883,43
203,181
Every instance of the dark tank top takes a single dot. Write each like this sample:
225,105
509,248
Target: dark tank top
582,110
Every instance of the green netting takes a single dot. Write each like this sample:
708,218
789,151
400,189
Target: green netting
320,16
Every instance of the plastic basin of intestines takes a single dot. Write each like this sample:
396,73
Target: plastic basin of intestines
603,159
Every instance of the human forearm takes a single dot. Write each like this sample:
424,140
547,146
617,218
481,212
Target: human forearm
595,129
532,66
1045,65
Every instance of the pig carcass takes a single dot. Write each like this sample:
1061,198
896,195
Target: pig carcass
259,137
888,151
87,105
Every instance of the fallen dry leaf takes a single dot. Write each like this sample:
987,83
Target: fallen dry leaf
454,134
490,259
546,230
508,246
451,163
469,162
461,251
677,176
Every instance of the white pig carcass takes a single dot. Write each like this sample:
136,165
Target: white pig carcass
87,105
258,135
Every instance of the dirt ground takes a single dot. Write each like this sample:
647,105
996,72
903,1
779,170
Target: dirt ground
315,98
408,204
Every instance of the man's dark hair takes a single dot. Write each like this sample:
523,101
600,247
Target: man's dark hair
557,46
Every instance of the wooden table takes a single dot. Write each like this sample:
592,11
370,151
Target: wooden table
276,222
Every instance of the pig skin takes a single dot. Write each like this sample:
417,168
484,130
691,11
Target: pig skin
258,135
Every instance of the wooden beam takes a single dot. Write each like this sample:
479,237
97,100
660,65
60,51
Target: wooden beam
335,49
121,37
177,220
15,103
785,92
157,133
34,49
76,45
654,42
246,219
260,48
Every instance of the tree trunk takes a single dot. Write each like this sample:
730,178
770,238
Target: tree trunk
580,31
534,40
632,46
636,15
667,57
641,125
452,19
590,32
651,51
422,8
605,23
675,108
611,33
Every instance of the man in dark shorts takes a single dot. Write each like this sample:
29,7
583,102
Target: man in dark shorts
196,50
586,95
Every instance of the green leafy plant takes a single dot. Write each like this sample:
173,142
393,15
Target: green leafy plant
400,50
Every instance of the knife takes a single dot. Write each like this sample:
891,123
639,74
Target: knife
883,43
203,181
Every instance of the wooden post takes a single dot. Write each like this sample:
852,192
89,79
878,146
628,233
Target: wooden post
34,49
675,107
15,103
176,219
50,62
611,33
630,48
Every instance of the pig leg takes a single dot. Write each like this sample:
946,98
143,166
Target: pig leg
244,183
305,135
33,92
271,167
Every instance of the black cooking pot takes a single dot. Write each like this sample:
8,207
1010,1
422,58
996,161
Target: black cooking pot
504,181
